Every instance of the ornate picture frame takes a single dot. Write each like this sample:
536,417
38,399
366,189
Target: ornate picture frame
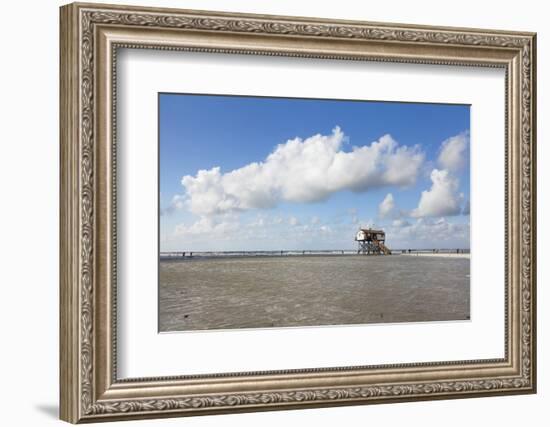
90,37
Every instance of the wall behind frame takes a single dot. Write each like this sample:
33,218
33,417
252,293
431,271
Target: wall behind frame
29,171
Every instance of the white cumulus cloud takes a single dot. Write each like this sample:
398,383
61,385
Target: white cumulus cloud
387,207
453,152
303,170
442,198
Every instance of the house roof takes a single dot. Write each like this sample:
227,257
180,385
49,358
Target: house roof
370,230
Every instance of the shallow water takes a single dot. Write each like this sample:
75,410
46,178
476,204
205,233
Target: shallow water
259,292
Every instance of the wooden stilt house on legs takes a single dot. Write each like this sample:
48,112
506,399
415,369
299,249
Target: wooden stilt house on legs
372,242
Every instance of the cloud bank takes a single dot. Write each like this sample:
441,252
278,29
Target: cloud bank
269,232
303,171
208,226
429,233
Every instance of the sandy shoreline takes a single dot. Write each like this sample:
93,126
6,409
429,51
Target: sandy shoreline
290,291
190,256
438,255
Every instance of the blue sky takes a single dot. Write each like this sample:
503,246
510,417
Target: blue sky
251,173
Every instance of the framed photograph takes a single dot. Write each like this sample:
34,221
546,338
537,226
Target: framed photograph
266,212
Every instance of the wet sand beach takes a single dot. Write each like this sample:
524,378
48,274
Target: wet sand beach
259,292
439,254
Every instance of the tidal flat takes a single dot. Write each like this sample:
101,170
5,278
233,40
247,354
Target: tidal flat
293,291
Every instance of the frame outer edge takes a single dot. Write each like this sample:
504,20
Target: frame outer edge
533,218
305,19
69,354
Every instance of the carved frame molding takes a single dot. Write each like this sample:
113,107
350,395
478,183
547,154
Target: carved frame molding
90,36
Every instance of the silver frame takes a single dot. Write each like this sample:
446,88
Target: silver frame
90,37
